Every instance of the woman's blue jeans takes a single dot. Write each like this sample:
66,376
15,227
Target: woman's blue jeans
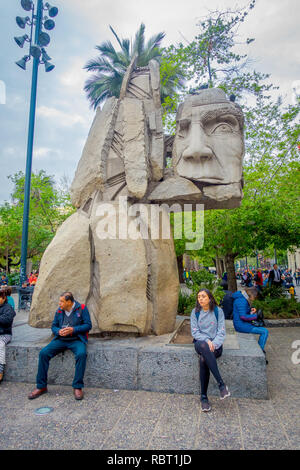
263,332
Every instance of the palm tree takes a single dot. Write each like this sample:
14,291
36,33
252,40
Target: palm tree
111,65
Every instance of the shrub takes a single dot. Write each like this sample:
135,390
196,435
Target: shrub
186,303
205,280
13,279
200,280
278,307
272,293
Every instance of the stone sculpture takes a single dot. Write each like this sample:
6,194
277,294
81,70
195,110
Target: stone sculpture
131,285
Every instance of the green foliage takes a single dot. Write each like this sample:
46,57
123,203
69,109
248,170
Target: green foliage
186,303
109,68
13,279
201,279
272,293
278,308
49,207
269,215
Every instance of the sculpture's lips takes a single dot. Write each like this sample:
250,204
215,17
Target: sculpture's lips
208,179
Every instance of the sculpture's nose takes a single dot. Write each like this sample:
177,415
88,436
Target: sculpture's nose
198,147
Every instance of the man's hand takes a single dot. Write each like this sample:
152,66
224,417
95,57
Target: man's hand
253,310
211,346
66,331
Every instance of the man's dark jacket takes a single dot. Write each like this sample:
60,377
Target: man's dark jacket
7,315
82,323
272,276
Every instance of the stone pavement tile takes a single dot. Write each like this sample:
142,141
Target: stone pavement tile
220,428
96,416
177,425
170,442
136,425
288,410
261,427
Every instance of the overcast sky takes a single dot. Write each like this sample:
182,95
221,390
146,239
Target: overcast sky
63,115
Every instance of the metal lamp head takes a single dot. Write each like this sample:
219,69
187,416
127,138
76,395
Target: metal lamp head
52,10
44,39
35,51
45,56
22,22
20,40
49,24
22,63
48,66
26,4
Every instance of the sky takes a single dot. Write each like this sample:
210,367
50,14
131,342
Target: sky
63,113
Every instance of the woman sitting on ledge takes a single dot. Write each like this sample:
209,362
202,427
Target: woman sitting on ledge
208,331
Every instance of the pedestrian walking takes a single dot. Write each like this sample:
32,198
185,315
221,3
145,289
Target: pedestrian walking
275,277
208,332
258,278
298,277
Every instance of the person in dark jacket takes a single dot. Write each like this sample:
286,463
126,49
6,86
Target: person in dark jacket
243,315
227,302
7,315
70,327
275,276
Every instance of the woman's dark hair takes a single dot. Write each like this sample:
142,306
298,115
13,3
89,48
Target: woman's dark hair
3,293
212,301
8,291
68,296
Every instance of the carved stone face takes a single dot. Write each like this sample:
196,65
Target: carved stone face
209,143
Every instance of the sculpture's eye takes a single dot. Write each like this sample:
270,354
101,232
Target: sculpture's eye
184,127
222,128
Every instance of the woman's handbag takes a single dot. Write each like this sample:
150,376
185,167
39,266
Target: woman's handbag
260,319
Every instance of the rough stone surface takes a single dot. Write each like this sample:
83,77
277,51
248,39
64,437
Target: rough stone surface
146,363
135,147
136,420
209,142
121,280
223,193
174,189
65,266
130,284
90,173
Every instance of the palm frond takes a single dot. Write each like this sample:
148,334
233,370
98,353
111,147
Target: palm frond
139,41
155,41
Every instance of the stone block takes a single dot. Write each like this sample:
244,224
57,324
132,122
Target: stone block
65,266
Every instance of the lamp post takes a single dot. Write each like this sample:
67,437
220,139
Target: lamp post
37,51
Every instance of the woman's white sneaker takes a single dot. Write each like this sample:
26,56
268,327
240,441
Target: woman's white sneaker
224,392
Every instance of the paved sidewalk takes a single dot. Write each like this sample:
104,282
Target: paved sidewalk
111,419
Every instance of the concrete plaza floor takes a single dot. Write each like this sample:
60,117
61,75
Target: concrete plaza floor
122,419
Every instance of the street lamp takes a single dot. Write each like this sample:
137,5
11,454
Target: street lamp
37,52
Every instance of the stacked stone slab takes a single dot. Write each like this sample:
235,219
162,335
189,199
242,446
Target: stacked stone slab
128,285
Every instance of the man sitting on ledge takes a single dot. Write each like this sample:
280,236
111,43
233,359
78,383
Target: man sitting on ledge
70,327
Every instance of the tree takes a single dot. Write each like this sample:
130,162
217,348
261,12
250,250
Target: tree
211,60
269,213
49,207
111,65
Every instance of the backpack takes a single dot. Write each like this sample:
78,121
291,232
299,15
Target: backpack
216,312
82,307
227,305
